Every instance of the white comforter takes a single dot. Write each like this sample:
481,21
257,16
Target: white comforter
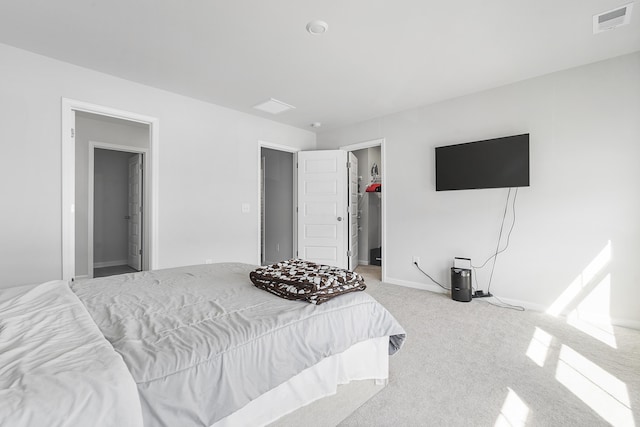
56,368
202,342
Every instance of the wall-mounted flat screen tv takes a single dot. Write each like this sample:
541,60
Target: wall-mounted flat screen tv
492,163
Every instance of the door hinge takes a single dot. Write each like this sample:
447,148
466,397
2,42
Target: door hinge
140,208
73,133
296,209
140,252
349,253
348,165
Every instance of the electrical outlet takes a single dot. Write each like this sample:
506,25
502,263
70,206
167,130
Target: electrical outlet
208,261
416,259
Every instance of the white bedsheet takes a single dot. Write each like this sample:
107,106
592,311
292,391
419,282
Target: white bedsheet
366,360
56,368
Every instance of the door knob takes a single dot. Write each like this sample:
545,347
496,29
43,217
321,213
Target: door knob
339,218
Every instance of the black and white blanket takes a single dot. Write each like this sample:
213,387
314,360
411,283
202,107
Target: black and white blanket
296,279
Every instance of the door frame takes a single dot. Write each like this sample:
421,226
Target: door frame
383,221
90,210
68,109
294,151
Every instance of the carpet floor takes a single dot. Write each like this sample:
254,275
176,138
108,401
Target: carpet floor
474,364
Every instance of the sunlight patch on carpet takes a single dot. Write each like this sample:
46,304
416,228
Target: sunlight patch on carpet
598,389
514,411
539,346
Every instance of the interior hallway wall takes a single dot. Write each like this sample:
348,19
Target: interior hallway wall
207,166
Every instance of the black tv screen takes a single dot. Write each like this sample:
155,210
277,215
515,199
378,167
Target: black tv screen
492,163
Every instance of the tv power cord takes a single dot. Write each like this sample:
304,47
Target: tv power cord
431,278
498,251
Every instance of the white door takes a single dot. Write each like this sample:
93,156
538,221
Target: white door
322,207
353,211
135,212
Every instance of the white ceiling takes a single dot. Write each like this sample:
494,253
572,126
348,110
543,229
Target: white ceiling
378,57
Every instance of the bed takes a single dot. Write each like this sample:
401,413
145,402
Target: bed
56,367
204,347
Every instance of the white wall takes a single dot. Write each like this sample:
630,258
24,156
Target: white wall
583,199
207,166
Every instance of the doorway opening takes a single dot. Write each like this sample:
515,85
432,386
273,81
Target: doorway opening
82,125
268,245
370,207
116,210
277,203
109,196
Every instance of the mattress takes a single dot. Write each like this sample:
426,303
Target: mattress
56,368
202,341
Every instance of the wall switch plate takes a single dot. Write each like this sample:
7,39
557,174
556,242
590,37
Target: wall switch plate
246,208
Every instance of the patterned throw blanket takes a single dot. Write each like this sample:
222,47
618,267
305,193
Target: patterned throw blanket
297,279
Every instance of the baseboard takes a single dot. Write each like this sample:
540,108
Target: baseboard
110,263
625,323
527,305
363,262
416,285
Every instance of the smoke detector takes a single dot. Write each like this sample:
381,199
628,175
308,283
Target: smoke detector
611,19
317,27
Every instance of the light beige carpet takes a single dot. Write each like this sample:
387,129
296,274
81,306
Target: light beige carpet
473,364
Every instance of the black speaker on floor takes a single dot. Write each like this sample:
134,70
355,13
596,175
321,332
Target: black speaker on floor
461,284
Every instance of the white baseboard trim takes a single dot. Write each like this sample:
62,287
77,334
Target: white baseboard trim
416,285
527,305
625,323
82,277
363,262
109,263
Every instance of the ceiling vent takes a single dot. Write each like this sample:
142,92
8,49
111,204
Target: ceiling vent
273,106
612,18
